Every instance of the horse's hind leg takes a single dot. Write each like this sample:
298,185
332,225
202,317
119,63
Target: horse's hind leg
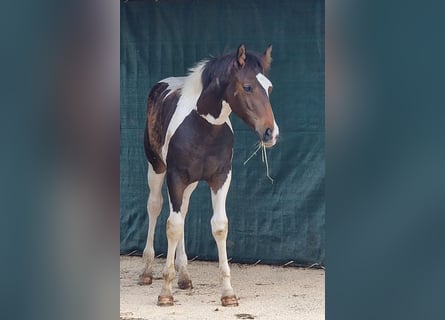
184,281
154,206
219,223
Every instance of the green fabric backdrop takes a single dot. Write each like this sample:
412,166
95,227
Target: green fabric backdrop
275,222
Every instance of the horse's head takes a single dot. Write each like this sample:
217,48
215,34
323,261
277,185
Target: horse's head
248,91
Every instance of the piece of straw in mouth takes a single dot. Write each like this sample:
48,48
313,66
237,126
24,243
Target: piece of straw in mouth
265,161
253,154
261,146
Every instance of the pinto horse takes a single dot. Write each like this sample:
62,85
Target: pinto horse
188,138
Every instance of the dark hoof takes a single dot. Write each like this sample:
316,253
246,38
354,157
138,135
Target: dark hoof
231,301
185,284
165,301
145,279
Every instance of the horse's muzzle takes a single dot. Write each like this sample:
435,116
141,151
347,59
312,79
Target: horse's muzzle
269,137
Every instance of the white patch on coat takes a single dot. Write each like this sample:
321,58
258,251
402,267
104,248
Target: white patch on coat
226,105
276,130
191,91
174,84
265,83
223,116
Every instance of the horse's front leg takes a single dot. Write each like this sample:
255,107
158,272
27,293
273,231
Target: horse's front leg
219,223
184,281
174,231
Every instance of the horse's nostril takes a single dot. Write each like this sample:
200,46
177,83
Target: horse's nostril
267,134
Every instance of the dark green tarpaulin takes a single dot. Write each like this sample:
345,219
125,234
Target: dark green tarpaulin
275,222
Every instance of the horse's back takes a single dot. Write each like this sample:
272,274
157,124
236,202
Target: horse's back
161,105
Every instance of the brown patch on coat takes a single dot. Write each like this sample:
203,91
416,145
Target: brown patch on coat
159,113
209,101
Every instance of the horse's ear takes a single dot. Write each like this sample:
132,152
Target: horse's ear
267,58
241,55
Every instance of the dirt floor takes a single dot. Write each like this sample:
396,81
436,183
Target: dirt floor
264,292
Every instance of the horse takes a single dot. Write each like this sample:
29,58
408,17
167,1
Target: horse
189,138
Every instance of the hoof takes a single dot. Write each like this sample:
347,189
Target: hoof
185,284
145,279
230,301
165,301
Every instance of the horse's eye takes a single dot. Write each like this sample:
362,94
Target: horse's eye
247,88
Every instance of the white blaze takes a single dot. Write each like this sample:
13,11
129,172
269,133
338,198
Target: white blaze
265,83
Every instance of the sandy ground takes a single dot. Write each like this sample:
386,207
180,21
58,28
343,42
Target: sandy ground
264,292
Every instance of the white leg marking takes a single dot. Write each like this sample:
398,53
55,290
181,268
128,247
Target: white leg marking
219,223
175,233
154,206
175,230
181,256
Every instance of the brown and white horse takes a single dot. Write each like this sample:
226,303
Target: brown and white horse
188,138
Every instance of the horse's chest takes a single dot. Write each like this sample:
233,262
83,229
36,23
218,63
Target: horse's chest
200,149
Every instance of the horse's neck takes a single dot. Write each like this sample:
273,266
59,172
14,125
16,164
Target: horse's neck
211,104
218,118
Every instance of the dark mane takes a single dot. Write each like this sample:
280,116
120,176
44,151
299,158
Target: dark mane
221,66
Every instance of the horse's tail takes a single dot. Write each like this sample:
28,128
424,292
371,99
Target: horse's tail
153,144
